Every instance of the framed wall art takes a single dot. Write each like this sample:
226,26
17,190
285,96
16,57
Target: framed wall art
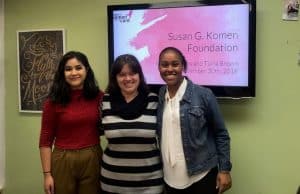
39,52
291,10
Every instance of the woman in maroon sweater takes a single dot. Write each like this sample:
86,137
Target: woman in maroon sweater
70,126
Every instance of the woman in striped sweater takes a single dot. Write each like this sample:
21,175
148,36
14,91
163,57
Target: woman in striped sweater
131,162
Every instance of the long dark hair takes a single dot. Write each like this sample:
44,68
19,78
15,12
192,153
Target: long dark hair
178,52
60,90
113,87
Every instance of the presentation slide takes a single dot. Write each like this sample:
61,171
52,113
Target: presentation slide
214,40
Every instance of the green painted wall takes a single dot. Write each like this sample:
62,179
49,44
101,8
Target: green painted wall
265,130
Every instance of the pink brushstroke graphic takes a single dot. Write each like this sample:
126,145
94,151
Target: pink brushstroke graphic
190,30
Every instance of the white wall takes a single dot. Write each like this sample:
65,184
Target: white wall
2,125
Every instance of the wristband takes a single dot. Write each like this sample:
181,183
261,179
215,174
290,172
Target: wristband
225,172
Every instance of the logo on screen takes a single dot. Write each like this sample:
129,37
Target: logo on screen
123,18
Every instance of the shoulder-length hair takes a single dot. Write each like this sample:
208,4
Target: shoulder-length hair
60,90
133,63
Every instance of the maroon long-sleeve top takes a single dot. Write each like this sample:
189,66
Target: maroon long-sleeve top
73,126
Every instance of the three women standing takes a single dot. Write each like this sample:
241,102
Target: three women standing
195,144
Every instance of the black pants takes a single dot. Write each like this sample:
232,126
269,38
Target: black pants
207,185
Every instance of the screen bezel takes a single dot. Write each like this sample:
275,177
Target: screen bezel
219,91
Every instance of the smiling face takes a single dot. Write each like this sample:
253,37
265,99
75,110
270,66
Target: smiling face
171,69
75,73
128,81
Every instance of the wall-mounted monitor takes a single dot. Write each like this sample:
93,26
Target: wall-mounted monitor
217,38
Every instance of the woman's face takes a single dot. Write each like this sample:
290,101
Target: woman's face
171,68
128,81
75,73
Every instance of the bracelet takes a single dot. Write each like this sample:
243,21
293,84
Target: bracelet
225,172
45,172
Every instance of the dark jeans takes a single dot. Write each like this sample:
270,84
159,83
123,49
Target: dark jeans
207,185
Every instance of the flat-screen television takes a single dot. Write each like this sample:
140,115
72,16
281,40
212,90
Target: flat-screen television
217,38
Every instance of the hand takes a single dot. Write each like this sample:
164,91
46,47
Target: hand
223,181
48,184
